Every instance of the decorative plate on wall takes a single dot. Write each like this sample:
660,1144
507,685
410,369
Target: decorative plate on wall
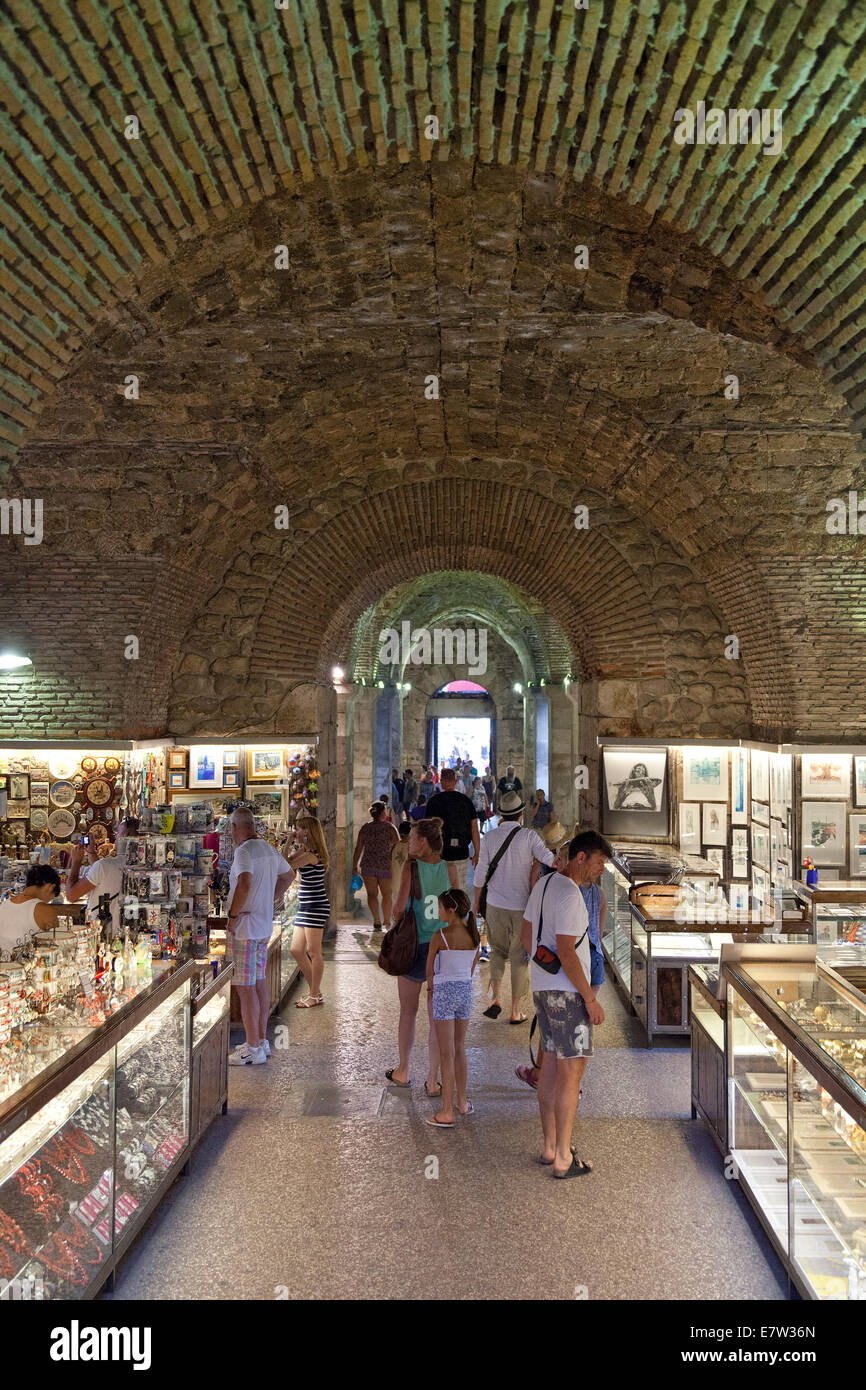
62,764
38,820
98,791
62,794
89,765
112,765
61,824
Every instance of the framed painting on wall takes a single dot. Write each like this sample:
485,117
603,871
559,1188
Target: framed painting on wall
177,781
761,845
231,779
824,831
739,786
740,852
738,896
760,887
205,767
705,774
634,778
860,781
825,774
760,813
857,846
714,818
231,757
690,827
177,758
716,857
760,762
265,764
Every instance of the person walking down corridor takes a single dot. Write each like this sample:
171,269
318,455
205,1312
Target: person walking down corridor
451,963
314,910
258,881
460,825
375,841
431,876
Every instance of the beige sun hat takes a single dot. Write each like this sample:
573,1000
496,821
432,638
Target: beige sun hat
554,834
511,802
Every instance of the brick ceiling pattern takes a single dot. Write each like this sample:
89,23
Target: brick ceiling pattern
238,101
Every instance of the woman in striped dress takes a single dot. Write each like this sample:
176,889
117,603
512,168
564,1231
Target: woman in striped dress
314,909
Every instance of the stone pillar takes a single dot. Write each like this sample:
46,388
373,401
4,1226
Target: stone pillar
358,774
388,738
528,774
588,807
563,750
329,783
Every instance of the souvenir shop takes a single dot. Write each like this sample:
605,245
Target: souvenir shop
115,1026
736,915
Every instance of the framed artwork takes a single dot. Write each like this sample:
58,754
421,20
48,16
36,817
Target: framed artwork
716,857
760,813
777,851
177,758
738,896
860,781
857,846
761,845
231,758
265,764
739,786
39,794
825,774
634,778
177,780
760,762
205,767
705,774
266,801
760,886
714,819
19,786
780,782
18,810
690,827
824,831
739,852
231,779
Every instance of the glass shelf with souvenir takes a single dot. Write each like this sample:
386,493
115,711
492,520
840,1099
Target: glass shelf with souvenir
838,912
797,1108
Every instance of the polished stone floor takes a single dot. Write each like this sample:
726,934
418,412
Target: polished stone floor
316,1185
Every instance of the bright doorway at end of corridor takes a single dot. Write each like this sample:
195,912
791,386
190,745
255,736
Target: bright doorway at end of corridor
456,739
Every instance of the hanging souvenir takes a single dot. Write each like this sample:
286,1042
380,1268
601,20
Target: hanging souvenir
38,820
88,765
111,765
62,765
62,794
98,791
61,824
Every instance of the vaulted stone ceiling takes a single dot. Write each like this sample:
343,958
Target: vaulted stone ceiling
409,257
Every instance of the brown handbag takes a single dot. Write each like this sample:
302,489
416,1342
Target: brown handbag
400,942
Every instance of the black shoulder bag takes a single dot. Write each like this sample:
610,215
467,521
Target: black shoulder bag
482,900
548,960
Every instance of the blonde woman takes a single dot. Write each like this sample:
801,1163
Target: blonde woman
310,859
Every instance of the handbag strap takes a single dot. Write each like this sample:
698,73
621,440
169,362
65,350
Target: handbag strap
541,916
499,853
414,882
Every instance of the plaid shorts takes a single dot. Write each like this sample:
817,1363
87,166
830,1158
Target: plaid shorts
250,961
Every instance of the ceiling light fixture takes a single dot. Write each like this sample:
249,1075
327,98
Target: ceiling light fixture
13,661
338,674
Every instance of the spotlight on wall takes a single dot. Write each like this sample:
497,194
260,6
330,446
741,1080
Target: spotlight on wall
518,689
13,661
407,686
337,674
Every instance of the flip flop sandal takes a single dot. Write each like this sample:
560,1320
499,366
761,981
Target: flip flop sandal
523,1074
440,1124
515,1021
435,1095
578,1169
494,1011
390,1077
470,1110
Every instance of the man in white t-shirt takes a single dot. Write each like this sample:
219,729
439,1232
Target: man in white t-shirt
258,880
507,893
103,877
565,1002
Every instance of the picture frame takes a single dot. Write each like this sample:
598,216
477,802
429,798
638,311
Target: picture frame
39,794
231,779
739,786
740,852
266,764
780,782
760,813
824,832
705,774
738,896
760,837
760,774
18,809
177,780
177,758
714,822
231,758
825,775
715,856
205,768
860,781
857,846
690,827
19,786
635,779
760,886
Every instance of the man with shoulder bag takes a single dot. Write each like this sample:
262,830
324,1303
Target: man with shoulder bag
555,932
506,861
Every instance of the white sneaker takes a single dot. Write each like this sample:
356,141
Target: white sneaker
245,1056
266,1048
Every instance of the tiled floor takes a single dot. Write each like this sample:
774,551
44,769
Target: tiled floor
317,1183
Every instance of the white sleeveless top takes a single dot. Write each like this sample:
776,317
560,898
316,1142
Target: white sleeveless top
17,920
453,965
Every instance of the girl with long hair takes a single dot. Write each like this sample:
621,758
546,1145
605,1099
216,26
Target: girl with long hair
451,963
376,839
434,876
310,859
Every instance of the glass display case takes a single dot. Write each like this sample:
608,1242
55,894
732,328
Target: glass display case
211,1011
92,1136
838,914
796,1078
286,917
707,1020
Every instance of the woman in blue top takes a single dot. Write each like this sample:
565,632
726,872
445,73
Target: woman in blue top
435,876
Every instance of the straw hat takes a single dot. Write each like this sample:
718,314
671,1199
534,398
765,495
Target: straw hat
554,834
511,802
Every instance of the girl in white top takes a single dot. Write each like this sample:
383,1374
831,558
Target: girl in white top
451,964
27,912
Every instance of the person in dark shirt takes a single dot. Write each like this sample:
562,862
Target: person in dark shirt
509,783
459,824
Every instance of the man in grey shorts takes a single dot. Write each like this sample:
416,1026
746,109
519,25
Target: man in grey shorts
564,1000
